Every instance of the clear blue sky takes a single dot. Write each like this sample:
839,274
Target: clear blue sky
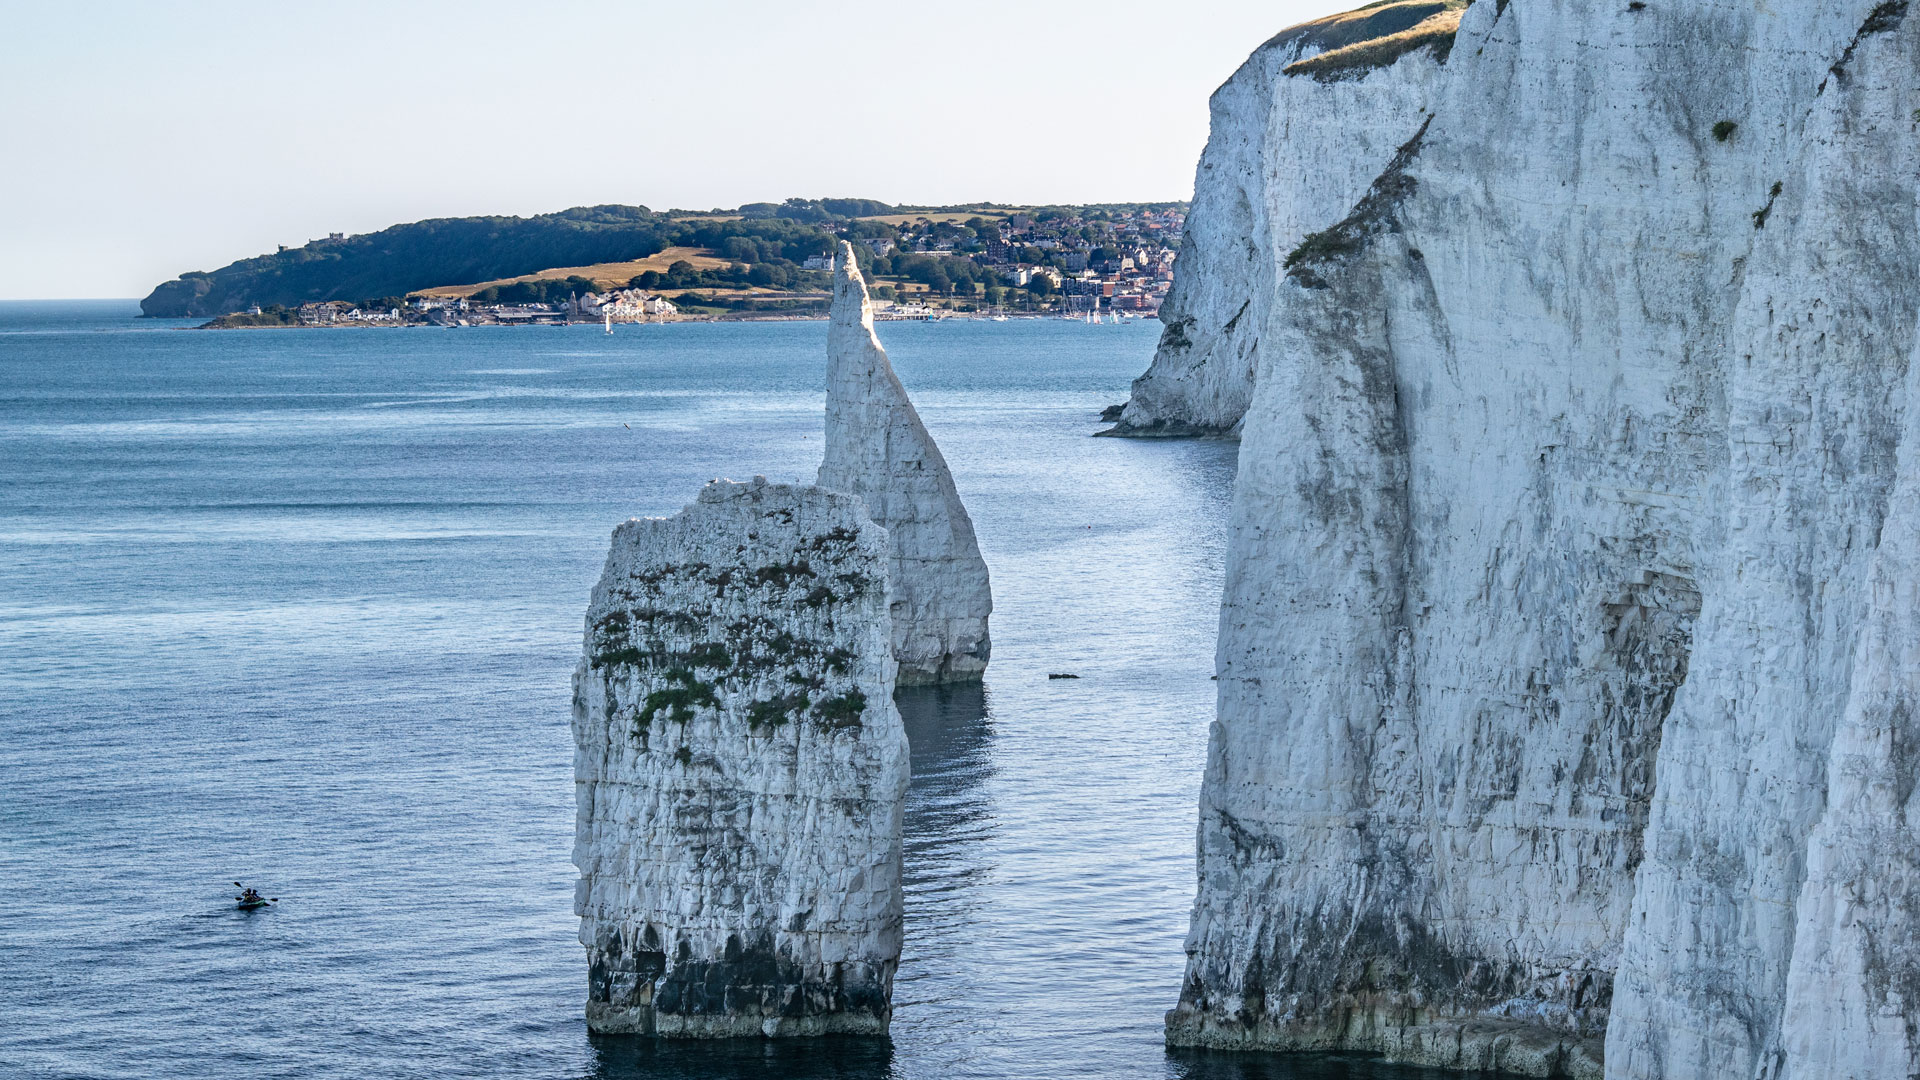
148,138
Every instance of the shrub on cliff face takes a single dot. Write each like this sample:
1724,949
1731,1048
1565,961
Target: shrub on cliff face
1724,130
842,711
1373,213
1325,244
1884,19
1761,215
1175,335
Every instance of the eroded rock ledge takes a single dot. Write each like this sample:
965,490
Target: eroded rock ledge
741,771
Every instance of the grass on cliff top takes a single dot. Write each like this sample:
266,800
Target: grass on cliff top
1376,35
605,275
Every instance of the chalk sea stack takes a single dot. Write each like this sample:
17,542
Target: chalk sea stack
877,448
1569,659
740,771
740,764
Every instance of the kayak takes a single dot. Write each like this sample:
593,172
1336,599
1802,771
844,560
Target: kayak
249,905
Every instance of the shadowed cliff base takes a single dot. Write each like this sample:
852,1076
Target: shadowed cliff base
1190,1064
1435,1048
1168,429
829,1057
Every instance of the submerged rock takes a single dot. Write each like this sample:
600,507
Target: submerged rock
1291,149
740,771
1569,657
877,448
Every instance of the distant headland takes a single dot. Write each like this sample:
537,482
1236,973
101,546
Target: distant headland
758,261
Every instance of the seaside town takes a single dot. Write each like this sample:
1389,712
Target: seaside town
1090,263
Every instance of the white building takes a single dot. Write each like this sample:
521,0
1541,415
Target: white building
634,305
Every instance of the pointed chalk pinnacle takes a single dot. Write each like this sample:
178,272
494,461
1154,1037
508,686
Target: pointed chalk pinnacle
877,448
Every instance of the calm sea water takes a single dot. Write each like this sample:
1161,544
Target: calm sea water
299,608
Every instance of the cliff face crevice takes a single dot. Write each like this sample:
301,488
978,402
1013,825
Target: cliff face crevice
1565,670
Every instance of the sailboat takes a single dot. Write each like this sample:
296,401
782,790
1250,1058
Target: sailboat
609,317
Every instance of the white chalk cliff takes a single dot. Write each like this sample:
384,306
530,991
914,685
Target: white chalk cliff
740,771
877,448
1570,652
1288,153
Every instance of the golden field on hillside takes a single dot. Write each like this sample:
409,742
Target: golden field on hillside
603,275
